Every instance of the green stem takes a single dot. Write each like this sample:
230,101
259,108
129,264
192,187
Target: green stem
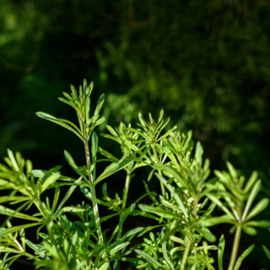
188,245
159,171
125,195
185,256
126,189
235,247
93,193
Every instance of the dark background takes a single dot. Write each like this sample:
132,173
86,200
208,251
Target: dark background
205,62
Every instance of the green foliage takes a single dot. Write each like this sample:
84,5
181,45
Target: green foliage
73,237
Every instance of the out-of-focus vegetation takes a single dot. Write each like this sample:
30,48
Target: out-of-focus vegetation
205,62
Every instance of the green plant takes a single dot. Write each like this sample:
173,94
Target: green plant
183,212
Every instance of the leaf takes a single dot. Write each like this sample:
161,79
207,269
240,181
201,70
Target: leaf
13,160
12,213
166,257
221,248
251,198
107,154
104,266
149,259
118,248
62,122
267,252
49,181
216,220
232,170
9,250
72,164
259,207
158,211
251,182
243,256
4,199
178,177
111,169
207,234
99,104
221,205
68,194
173,193
249,230
14,229
261,223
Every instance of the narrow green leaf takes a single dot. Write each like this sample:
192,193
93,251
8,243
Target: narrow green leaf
249,230
149,259
251,181
251,198
261,223
267,252
207,234
68,194
166,257
221,205
232,170
72,163
174,173
118,248
216,220
111,169
259,207
221,248
142,121
61,122
4,199
13,160
199,153
104,266
49,181
173,193
14,229
9,212
243,256
158,211
107,154
161,114
10,250
99,104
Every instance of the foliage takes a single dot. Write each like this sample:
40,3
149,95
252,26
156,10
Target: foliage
73,236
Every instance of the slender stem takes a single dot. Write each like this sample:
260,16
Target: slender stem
93,193
188,245
126,189
235,247
159,171
125,195
184,259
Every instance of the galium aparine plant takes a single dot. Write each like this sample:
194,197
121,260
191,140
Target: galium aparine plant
183,211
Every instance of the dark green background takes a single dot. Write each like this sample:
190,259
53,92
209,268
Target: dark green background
205,62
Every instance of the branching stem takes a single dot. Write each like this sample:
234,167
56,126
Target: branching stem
93,193
235,247
159,171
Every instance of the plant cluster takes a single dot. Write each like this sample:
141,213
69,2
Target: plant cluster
183,212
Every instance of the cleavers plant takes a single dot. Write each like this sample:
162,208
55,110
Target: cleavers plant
183,212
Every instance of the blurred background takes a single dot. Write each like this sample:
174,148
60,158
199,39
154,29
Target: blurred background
206,63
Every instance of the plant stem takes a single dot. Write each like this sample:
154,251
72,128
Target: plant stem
188,245
184,259
159,171
125,195
126,189
235,247
93,193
